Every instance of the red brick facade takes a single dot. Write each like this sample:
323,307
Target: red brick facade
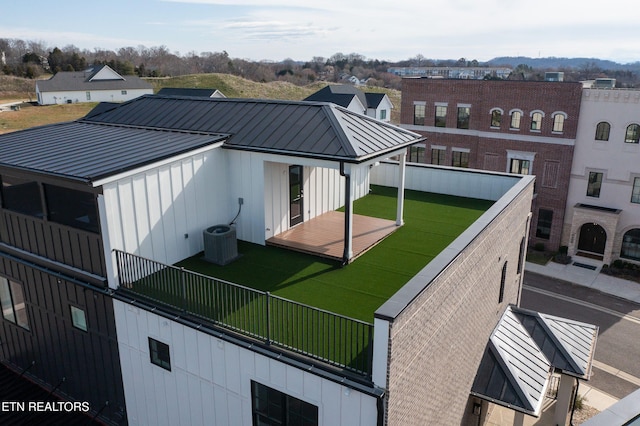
545,153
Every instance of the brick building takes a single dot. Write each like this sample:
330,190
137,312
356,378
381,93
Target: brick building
514,126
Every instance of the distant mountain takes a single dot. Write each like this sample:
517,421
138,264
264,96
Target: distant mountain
553,62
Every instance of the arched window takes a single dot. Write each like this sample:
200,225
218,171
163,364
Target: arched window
536,121
503,280
516,116
631,245
558,121
602,131
633,133
496,117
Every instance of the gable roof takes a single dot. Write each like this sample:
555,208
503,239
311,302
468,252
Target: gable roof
96,78
339,94
374,99
295,128
176,91
523,349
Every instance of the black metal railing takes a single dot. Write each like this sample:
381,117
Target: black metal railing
322,335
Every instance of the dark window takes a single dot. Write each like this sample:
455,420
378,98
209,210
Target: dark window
521,167
271,407
558,123
463,117
22,196
416,154
383,114
460,159
496,118
545,218
14,307
418,115
635,192
515,120
438,156
521,256
602,131
441,116
536,121
72,208
78,318
633,133
503,280
159,353
594,185
631,245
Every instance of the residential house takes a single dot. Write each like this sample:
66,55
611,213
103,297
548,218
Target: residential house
99,83
602,219
521,127
95,213
376,105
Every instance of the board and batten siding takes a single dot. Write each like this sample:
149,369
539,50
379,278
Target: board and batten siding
210,379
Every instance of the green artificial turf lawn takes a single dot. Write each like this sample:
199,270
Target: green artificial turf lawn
432,222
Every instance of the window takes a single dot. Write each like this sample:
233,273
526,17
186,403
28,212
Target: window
521,167
441,116
416,154
558,123
631,245
602,131
72,208
496,118
536,121
521,256
633,133
460,159
438,156
22,196
418,115
88,96
383,114
78,318
463,117
271,407
503,280
635,192
594,185
14,307
123,92
516,116
159,353
545,218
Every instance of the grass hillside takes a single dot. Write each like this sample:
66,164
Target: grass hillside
14,89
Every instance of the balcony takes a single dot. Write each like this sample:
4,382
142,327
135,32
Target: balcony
302,303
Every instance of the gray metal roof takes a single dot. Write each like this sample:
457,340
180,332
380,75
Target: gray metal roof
374,99
339,94
308,129
521,353
177,91
81,81
89,151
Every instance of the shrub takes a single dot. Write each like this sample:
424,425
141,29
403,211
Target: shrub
538,246
563,250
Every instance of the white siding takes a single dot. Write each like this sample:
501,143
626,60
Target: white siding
445,180
210,379
52,98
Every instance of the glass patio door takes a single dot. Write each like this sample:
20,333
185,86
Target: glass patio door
296,196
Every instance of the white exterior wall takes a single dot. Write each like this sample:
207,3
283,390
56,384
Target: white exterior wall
617,160
210,379
52,98
385,104
445,180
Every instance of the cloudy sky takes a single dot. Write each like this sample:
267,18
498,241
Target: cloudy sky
390,29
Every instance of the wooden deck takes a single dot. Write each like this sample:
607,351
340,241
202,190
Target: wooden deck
324,235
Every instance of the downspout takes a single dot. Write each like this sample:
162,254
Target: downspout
347,214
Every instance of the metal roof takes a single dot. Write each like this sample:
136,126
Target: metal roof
374,99
340,94
522,352
177,91
295,128
89,151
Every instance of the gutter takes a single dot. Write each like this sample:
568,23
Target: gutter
347,214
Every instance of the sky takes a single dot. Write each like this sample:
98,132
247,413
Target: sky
387,30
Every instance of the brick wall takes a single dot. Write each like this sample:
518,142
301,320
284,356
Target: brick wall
437,342
489,147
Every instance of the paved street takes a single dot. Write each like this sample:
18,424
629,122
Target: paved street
616,367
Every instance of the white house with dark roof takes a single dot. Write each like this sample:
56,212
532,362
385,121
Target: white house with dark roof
376,105
95,84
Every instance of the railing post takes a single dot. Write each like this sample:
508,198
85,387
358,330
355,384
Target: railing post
369,366
268,318
184,290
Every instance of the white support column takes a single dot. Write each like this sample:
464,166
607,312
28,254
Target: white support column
563,400
401,179
348,209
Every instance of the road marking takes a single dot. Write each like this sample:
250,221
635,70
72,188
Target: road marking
616,372
583,303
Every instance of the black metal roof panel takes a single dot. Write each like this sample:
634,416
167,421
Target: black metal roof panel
317,130
340,94
177,91
89,151
374,99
